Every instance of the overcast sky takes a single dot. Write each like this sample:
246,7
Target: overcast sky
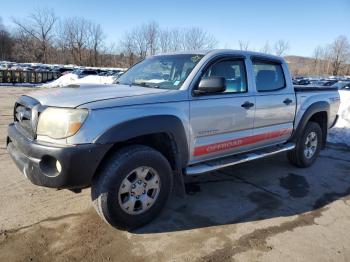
305,24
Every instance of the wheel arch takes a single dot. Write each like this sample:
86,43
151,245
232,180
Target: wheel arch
317,112
161,132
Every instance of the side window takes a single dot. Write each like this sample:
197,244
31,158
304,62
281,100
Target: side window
268,76
234,73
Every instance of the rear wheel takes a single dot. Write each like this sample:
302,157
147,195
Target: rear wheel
308,146
132,187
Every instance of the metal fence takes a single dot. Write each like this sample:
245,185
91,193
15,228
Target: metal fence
29,77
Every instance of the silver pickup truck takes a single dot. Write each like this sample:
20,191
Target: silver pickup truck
167,117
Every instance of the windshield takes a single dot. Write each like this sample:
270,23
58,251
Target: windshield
166,71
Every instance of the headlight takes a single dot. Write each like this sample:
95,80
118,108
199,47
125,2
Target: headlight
60,122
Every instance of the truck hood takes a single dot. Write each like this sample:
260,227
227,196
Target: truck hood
76,95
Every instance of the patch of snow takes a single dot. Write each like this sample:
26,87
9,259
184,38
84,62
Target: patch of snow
340,133
95,79
73,79
64,80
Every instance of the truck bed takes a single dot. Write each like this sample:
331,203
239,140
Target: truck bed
308,95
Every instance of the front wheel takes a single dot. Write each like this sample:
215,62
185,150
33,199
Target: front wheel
132,187
308,146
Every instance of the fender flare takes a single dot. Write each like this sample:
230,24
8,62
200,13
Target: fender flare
148,125
314,108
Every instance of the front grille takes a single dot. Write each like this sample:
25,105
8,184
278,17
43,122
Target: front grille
26,114
23,117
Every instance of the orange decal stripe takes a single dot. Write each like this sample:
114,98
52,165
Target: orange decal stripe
238,142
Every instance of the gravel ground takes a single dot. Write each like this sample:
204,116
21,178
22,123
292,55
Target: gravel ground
265,210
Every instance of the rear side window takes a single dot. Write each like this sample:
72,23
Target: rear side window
234,73
268,76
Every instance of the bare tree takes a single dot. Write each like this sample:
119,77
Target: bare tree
62,45
347,70
281,47
26,48
177,39
96,37
152,36
80,40
109,57
6,43
317,56
327,61
266,48
339,53
165,41
40,26
128,47
75,32
140,41
172,40
196,38
243,45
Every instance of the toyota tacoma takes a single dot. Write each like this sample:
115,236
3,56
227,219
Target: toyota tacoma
168,116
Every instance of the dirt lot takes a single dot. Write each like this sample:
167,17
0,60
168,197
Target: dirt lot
265,210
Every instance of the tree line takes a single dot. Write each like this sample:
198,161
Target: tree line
149,39
45,38
333,59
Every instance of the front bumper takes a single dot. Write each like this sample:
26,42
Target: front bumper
38,161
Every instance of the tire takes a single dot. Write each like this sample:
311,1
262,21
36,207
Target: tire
117,185
299,156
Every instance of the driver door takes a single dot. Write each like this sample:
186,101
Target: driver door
220,123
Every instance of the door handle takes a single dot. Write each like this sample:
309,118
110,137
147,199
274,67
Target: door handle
247,105
287,101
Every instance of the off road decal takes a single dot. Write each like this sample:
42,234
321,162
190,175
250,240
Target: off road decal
233,143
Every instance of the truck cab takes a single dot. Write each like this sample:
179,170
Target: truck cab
256,109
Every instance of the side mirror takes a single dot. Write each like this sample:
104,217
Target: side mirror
209,85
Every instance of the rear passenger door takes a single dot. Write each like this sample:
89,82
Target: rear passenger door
275,102
218,122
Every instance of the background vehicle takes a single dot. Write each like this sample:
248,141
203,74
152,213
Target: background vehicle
342,85
301,81
169,116
85,72
329,82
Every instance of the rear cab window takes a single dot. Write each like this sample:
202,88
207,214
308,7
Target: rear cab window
268,75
